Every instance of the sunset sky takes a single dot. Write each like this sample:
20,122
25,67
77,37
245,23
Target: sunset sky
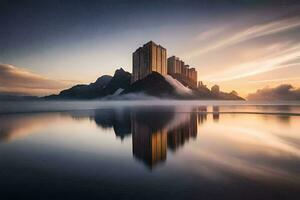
46,46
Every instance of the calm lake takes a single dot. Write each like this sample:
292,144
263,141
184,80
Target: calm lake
149,150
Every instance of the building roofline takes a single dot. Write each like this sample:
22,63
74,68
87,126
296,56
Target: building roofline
137,49
162,47
153,43
150,42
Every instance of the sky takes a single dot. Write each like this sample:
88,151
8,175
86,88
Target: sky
242,45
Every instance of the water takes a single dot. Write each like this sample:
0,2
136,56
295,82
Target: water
148,150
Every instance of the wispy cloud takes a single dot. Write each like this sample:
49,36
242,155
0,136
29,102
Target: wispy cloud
20,81
252,32
282,59
210,33
276,79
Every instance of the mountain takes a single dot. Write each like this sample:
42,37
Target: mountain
119,87
84,91
167,87
103,86
120,81
154,85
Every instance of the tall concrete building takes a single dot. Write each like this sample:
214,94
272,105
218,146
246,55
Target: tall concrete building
147,59
175,66
183,73
193,76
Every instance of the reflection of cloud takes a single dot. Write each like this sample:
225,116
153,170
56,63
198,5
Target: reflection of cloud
252,150
20,81
248,34
20,126
242,167
281,92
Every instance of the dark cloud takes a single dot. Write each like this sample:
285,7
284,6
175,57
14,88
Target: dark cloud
19,81
281,92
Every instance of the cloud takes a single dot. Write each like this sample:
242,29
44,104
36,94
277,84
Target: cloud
252,32
284,58
276,80
281,92
14,80
210,33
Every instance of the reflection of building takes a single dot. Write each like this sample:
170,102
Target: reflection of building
150,147
153,130
202,114
151,57
216,114
179,135
183,73
149,139
152,135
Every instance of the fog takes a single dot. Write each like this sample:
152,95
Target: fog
7,107
180,89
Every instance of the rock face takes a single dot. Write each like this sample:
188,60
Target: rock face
86,91
154,85
120,80
103,86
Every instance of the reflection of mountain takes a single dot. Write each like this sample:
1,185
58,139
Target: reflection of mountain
118,119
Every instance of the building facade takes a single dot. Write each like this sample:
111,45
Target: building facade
147,59
183,73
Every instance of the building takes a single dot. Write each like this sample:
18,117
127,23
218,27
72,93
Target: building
183,73
147,59
175,66
192,75
215,89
